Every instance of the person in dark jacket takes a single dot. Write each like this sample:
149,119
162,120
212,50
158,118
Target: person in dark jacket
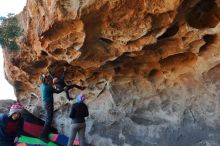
79,111
59,84
47,91
11,125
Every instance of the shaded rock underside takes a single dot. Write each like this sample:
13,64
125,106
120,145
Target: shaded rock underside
151,67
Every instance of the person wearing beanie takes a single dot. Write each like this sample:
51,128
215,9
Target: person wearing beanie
78,112
47,91
11,125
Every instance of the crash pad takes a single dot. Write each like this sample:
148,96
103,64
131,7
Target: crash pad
33,126
62,140
24,144
59,139
34,141
32,129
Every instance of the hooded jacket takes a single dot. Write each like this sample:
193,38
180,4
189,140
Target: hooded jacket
9,128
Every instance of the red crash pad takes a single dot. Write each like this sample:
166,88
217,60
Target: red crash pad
32,129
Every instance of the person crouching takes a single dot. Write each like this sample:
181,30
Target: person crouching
11,125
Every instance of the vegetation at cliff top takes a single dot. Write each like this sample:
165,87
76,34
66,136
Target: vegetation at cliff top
9,32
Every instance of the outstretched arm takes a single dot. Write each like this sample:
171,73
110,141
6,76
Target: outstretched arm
51,75
62,78
75,86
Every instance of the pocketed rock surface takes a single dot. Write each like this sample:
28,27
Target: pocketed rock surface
151,67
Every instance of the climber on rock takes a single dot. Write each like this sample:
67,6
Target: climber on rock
11,125
47,91
59,84
78,112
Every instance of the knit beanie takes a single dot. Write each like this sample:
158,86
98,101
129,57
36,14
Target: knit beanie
80,98
16,108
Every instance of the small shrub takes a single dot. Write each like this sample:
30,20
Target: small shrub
9,31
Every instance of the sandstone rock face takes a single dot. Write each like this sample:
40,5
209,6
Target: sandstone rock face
151,67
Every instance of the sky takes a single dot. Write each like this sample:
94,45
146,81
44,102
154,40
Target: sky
11,6
8,6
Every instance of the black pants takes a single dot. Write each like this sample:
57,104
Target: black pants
59,88
67,95
48,107
70,87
